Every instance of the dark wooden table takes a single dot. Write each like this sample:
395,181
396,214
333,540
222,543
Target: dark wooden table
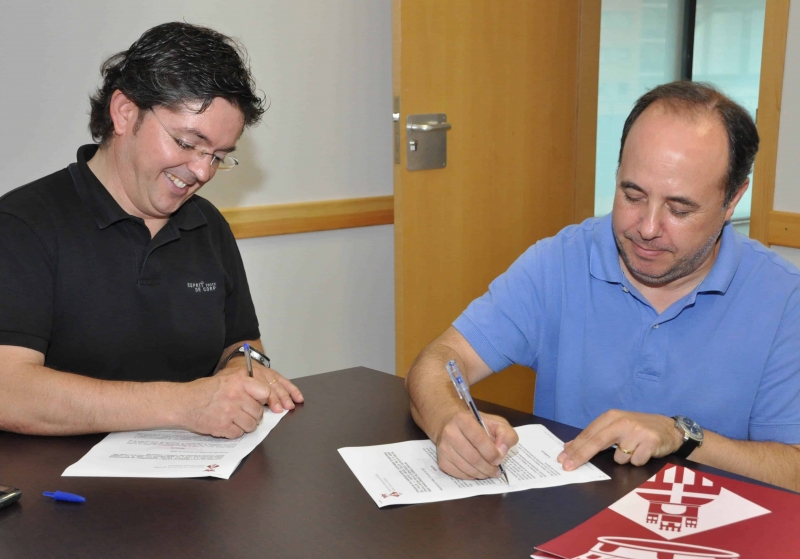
292,497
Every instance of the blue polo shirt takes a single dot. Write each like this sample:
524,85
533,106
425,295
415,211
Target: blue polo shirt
727,354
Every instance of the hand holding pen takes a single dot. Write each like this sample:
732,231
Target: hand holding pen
463,392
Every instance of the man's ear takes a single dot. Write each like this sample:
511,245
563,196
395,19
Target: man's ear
736,198
124,113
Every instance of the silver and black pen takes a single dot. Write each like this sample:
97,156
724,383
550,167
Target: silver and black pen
247,359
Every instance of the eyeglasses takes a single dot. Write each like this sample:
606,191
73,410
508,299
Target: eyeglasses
220,162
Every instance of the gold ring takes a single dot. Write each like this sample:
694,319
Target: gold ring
270,382
623,451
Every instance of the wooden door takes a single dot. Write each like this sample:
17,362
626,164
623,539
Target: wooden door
518,82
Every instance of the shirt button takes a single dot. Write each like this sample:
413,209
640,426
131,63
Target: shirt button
625,289
656,326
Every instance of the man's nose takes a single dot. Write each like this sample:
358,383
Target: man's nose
202,169
650,223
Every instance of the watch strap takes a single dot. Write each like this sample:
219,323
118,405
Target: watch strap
254,354
687,447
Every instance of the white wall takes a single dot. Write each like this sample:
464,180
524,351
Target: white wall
787,177
324,300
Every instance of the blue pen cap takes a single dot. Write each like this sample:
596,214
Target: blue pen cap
64,496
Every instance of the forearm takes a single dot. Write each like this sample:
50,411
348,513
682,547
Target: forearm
775,463
41,401
433,400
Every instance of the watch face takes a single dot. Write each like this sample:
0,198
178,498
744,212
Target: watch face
691,427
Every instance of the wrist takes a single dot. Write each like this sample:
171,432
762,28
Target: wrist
179,403
255,355
691,434
235,359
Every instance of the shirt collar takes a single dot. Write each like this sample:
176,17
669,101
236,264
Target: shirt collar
604,262
106,210
730,253
604,258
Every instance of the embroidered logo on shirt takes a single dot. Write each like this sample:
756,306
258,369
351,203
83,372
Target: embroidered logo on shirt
202,286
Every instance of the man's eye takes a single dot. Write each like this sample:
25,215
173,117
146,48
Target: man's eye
631,199
183,145
678,213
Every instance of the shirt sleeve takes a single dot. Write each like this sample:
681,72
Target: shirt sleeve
241,322
504,326
776,409
26,286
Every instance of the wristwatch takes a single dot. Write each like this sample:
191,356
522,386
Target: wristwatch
692,435
254,354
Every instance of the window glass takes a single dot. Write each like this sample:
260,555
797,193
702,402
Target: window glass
727,53
640,48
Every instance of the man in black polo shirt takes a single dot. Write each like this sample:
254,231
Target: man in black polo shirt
123,299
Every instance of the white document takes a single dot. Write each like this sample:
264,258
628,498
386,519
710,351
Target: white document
170,453
407,472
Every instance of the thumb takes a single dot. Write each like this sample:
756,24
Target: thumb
503,434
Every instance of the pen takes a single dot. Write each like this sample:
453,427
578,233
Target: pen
247,359
463,392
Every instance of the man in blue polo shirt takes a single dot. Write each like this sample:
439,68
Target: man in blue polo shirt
658,329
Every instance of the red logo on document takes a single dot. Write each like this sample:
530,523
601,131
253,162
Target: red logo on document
679,502
721,518
392,494
211,468
675,496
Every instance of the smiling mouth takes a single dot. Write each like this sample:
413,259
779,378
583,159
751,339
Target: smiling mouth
175,180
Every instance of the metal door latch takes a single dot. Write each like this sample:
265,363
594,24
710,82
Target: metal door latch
427,141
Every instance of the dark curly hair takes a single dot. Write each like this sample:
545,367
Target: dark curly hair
688,96
172,64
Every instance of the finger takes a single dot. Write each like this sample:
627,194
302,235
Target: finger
257,389
454,440
294,392
473,466
469,460
642,455
624,452
598,435
279,399
479,440
244,421
597,426
504,435
451,469
476,448
282,392
230,431
253,408
584,449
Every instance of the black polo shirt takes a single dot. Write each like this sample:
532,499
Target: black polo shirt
82,282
